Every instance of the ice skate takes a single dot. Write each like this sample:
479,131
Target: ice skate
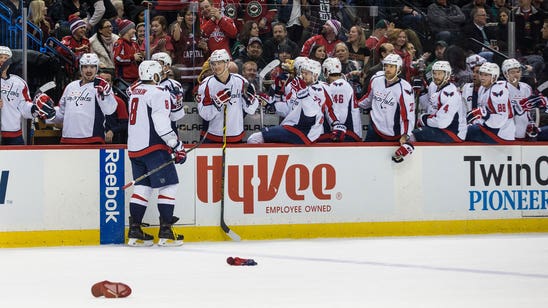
167,235
136,236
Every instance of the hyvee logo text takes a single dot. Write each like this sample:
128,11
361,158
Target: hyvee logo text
299,179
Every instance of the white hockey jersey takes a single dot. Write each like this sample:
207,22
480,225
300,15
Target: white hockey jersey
392,106
496,100
149,119
427,102
176,94
467,93
235,108
344,105
515,94
17,105
82,112
450,111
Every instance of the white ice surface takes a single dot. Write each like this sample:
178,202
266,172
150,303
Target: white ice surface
460,271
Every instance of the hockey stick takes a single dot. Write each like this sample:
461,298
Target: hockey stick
267,69
45,87
162,166
226,229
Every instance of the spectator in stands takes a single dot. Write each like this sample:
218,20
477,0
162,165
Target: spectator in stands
262,12
279,37
78,43
249,71
160,41
217,29
190,49
349,68
479,4
356,47
496,6
457,58
291,13
249,29
116,123
102,44
253,52
344,13
439,55
544,30
97,10
477,30
445,20
284,54
38,15
119,6
14,6
327,38
73,8
373,41
317,13
140,34
529,22
317,53
398,38
502,28
127,55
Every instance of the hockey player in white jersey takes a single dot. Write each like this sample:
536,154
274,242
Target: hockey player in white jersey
493,118
346,123
173,86
517,91
470,90
392,105
225,90
303,122
84,104
152,142
15,103
447,122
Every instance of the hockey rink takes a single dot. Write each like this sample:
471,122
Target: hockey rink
455,271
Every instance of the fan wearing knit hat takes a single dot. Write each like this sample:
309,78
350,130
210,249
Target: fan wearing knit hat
127,55
327,38
78,43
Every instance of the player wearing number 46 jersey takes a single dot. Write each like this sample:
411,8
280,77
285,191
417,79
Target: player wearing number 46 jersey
84,104
152,142
225,90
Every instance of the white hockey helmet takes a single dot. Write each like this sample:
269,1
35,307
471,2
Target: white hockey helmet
443,66
150,70
393,59
298,64
219,55
162,56
475,60
4,50
331,66
491,69
89,59
314,67
509,64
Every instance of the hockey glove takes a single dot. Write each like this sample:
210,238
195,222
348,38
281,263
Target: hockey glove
338,131
240,261
279,83
477,114
249,93
531,102
43,107
179,153
422,120
532,130
102,86
404,150
221,98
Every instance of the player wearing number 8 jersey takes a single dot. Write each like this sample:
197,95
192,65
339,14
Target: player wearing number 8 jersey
152,142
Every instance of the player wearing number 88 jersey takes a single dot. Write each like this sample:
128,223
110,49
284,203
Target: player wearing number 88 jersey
493,119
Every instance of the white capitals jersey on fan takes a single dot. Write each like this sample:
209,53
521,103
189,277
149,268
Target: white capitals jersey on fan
176,94
496,100
345,106
392,107
304,114
149,112
450,111
515,95
82,113
236,107
17,104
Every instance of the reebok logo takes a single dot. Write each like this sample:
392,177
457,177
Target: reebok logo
3,185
